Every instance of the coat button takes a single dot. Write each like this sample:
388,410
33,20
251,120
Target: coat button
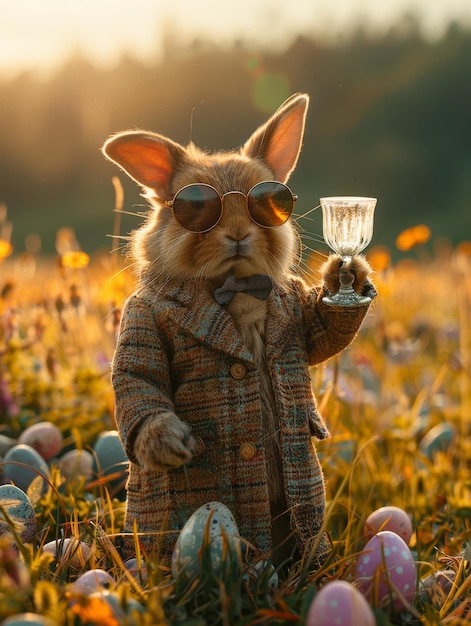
247,450
198,446
238,370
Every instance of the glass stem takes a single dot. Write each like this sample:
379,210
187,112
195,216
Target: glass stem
346,276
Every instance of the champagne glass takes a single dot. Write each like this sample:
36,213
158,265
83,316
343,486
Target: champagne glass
348,229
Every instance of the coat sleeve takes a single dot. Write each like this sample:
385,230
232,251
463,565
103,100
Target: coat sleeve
139,373
329,329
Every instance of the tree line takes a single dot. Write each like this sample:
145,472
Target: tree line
389,117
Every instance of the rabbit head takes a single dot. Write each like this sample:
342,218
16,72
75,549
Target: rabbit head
163,250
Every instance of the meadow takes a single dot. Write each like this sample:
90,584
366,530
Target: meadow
398,403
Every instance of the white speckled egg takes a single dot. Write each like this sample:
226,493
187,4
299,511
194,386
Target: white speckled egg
386,572
22,464
27,619
44,437
339,602
215,522
19,509
93,580
69,551
389,518
76,463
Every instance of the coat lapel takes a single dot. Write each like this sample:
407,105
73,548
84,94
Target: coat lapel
208,322
280,319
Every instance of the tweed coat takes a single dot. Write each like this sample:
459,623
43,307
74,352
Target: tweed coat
178,350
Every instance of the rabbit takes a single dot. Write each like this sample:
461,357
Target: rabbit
212,383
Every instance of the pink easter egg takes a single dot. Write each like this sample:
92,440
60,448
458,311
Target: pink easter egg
44,437
386,573
389,518
339,602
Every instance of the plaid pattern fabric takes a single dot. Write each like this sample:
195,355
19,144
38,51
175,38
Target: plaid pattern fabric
175,352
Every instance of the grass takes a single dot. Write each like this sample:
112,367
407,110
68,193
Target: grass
408,371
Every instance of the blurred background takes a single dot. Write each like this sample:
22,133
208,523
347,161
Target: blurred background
390,114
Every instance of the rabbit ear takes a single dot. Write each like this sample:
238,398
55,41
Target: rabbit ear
147,158
278,141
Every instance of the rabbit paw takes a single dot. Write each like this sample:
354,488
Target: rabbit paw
359,267
163,443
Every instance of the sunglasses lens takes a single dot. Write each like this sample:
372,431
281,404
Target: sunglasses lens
197,208
270,204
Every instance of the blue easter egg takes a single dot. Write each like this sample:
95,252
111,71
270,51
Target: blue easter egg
16,504
110,458
22,464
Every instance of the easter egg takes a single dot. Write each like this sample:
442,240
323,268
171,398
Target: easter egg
110,458
27,619
69,551
19,509
262,570
386,573
438,439
44,437
389,518
137,570
339,602
22,464
76,463
93,580
210,538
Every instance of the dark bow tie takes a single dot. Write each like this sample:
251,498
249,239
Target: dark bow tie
259,286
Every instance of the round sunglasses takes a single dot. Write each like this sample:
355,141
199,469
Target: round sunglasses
198,207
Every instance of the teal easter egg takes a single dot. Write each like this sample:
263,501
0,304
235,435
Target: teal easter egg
110,458
27,619
209,541
438,439
22,464
44,437
19,509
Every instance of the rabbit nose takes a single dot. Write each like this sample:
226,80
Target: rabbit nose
237,245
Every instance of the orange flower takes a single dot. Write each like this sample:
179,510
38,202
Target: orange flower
416,235
95,610
75,260
379,258
5,249
464,248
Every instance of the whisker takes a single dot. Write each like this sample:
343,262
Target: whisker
134,214
304,215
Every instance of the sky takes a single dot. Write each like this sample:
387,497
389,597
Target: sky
42,34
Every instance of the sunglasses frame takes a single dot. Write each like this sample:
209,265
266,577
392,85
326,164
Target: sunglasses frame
170,204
